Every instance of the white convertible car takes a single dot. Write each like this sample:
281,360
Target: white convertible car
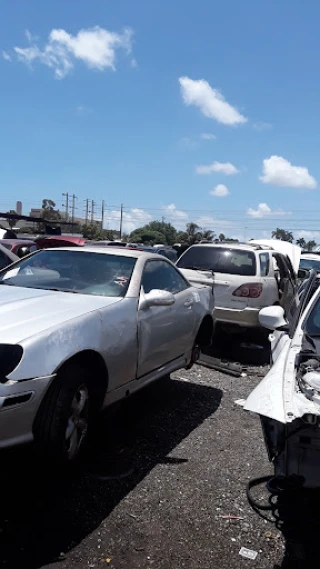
83,328
288,398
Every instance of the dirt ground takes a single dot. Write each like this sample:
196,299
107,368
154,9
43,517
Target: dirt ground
189,451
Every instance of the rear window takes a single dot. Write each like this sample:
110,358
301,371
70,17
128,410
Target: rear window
309,264
219,260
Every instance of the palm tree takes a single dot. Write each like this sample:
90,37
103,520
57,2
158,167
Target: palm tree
282,234
301,242
310,245
193,232
207,235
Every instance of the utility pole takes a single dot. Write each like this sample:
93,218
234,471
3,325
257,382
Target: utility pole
102,214
66,205
92,210
87,211
74,198
121,218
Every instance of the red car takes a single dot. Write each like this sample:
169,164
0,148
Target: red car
20,247
60,241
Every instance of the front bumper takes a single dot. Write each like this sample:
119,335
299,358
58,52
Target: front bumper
248,317
19,403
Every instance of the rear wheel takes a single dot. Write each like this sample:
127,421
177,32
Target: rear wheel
62,422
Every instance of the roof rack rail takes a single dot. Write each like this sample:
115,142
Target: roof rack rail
255,246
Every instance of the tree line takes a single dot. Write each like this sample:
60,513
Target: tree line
151,233
288,236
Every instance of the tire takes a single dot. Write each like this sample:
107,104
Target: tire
61,425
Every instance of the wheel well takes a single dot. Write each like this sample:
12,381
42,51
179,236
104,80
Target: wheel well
205,332
97,370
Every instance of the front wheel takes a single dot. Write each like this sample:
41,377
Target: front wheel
62,422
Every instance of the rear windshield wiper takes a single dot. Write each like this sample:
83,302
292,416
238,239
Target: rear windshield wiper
195,268
60,290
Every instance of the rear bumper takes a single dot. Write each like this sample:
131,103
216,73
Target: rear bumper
19,403
248,317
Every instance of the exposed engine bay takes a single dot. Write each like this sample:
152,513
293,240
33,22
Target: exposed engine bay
294,447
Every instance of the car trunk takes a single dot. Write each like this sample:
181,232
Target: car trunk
227,269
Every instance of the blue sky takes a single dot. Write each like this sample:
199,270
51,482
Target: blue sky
200,111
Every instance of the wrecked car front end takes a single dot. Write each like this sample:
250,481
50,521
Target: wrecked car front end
288,398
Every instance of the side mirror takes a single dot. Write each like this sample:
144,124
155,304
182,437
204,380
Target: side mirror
157,298
272,318
303,274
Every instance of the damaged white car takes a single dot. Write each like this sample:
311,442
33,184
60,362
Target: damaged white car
246,277
288,398
83,328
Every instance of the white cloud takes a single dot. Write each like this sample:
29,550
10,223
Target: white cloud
280,172
95,47
207,136
264,210
132,219
211,102
220,191
260,125
6,55
133,63
222,167
30,37
307,235
177,217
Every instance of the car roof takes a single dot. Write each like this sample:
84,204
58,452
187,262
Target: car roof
18,241
232,245
311,256
120,252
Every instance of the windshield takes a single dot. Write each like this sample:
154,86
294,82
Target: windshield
219,260
72,271
309,264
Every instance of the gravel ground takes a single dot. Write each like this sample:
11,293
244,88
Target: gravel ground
192,450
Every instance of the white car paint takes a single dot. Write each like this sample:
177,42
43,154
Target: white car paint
288,398
284,247
240,310
138,343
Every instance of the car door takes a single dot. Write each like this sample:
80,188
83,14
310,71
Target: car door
165,332
298,303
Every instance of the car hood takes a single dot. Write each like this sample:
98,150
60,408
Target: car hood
284,247
25,312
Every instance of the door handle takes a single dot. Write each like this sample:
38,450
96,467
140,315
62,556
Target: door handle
188,302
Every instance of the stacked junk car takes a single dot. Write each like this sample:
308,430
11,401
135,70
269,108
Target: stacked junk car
288,398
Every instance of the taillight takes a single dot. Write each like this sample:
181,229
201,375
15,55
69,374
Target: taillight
249,290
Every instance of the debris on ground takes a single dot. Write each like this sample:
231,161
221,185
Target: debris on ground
248,553
229,517
231,368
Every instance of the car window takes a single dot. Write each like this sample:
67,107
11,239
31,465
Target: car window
312,324
300,301
309,264
220,260
264,264
4,260
72,271
7,245
162,276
